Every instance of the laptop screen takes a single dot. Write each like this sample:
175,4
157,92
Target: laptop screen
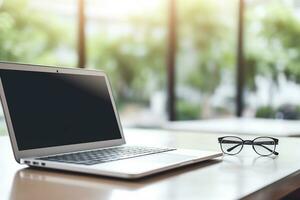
54,109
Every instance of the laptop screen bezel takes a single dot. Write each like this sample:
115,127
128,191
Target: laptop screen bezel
63,148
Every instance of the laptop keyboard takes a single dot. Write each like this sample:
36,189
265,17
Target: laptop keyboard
105,155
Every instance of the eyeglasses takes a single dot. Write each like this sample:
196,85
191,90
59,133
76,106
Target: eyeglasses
263,146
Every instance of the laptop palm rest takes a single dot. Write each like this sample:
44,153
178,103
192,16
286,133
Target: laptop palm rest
144,164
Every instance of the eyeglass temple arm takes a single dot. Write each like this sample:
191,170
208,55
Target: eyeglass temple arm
231,148
256,143
231,142
267,142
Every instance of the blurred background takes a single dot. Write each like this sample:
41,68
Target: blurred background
168,60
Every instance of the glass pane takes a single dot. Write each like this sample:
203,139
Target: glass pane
127,39
38,32
272,59
206,58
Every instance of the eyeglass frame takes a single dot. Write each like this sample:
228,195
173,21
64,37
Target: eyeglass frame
250,142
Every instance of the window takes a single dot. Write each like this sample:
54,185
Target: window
206,59
127,39
272,56
38,32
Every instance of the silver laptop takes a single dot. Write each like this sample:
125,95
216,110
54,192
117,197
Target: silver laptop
67,119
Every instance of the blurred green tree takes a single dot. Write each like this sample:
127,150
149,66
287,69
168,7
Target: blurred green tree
202,27
26,36
134,60
206,49
272,47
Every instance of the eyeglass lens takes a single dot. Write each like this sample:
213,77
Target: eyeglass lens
231,145
264,146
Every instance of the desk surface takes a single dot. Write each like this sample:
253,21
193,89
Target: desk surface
229,177
244,126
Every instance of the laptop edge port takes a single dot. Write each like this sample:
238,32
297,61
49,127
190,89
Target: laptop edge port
35,163
27,162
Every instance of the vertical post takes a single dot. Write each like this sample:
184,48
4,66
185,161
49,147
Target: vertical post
81,35
240,67
171,56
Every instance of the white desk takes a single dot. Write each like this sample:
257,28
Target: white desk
230,177
236,126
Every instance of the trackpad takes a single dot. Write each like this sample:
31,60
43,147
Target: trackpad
144,163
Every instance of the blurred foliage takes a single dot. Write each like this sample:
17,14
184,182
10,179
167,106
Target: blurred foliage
3,129
134,65
134,60
206,50
205,31
25,35
272,43
272,51
187,110
286,111
265,112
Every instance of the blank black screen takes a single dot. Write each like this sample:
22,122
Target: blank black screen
53,109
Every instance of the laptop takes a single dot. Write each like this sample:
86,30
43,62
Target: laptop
66,119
